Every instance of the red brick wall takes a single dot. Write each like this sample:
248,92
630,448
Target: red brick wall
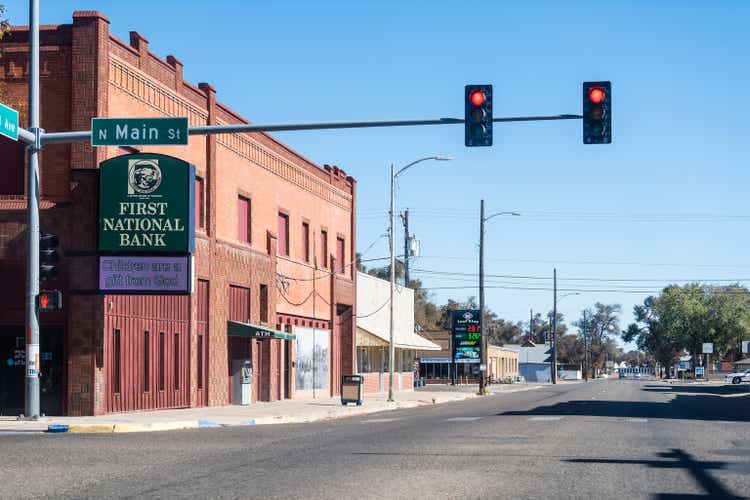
371,383
80,64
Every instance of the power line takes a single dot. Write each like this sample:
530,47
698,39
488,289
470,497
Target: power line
579,290
591,262
614,280
375,311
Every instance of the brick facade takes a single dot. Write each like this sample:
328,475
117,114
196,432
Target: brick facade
88,72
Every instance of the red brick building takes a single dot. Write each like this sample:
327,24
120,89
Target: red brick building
275,236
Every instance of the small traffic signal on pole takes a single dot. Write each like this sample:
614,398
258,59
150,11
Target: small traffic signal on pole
49,300
48,256
597,112
478,115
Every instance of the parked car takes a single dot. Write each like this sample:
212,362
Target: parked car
737,377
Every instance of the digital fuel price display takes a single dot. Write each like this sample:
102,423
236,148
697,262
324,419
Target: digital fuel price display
466,328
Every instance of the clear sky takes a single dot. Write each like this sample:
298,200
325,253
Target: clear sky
666,201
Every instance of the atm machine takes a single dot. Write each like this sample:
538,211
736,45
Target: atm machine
242,381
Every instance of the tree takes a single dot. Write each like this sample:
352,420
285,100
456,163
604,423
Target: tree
569,350
650,336
427,314
601,323
500,332
14,100
360,267
384,273
635,359
682,318
4,23
605,321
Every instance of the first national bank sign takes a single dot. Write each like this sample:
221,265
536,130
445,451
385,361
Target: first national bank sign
146,224
146,204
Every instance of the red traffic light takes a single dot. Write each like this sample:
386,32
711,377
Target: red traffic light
596,95
477,98
44,301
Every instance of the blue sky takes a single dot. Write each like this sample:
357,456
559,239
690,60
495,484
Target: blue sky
666,201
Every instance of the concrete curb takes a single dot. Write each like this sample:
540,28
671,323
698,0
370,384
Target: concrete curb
335,414
109,428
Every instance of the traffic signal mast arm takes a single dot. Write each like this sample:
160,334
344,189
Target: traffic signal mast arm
85,135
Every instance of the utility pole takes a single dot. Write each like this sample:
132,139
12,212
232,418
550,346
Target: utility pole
391,348
405,218
31,409
585,349
483,336
531,325
554,326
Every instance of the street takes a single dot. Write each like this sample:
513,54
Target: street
603,439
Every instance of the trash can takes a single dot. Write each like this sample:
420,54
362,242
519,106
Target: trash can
351,389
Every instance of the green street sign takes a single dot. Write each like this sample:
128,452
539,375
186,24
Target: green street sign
146,204
8,122
139,131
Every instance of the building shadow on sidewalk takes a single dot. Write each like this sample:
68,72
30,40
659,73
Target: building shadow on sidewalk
676,458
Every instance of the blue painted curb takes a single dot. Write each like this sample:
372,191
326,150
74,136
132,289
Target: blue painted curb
208,423
55,428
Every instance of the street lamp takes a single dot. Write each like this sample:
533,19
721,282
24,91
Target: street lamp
482,220
555,300
394,174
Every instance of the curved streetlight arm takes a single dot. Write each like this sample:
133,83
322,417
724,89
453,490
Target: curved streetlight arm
392,265
436,158
567,295
516,214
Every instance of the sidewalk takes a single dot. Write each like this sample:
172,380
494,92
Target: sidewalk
279,412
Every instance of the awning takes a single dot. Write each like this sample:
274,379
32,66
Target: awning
367,339
249,331
402,340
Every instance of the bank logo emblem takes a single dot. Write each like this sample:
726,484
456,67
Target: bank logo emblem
144,176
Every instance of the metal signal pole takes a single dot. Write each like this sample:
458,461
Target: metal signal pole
31,407
554,326
585,349
482,335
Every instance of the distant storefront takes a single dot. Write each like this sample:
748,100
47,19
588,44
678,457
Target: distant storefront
435,367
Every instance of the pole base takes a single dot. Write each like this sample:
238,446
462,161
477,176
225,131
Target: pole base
25,418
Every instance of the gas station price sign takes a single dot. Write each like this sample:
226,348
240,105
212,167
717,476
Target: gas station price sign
466,333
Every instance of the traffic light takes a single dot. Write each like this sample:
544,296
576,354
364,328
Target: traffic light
597,112
48,256
49,300
478,115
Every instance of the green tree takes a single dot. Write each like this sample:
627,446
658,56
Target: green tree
682,318
569,349
4,23
602,322
384,273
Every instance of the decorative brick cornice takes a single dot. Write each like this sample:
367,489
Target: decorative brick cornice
134,82
250,150
152,93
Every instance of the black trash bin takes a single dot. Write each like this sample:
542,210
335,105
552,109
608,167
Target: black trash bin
351,389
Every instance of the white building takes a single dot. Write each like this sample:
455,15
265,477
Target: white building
373,334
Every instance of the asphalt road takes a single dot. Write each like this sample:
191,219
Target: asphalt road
604,439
